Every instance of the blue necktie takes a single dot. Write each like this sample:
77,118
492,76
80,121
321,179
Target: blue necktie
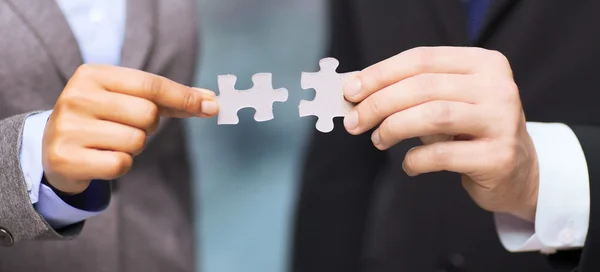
476,13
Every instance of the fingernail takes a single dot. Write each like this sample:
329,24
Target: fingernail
404,169
375,137
209,107
352,87
351,120
206,92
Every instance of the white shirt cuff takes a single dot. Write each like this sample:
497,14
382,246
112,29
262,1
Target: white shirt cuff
31,152
563,206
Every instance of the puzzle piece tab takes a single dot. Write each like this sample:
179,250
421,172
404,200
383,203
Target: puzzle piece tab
329,100
261,97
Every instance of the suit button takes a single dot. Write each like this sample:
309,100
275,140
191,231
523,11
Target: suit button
454,263
457,260
6,238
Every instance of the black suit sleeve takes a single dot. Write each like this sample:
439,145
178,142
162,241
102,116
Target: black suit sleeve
587,259
94,199
338,177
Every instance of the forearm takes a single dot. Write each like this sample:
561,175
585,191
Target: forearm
17,214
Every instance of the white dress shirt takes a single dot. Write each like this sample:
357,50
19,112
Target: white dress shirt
563,206
563,202
99,28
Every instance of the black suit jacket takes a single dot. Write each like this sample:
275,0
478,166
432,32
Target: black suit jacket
358,211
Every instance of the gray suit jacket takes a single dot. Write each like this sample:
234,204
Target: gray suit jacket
148,226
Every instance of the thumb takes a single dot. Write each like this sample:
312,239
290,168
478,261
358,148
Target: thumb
208,108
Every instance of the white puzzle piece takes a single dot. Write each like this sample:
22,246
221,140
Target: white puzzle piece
261,97
329,100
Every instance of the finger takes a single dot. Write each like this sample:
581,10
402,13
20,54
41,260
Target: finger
124,109
93,164
209,109
409,93
105,135
160,90
436,117
429,139
451,60
458,156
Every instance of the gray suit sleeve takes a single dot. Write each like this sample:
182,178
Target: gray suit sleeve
17,215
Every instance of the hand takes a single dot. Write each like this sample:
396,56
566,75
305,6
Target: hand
102,118
464,105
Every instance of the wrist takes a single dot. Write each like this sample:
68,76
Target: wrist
528,209
528,200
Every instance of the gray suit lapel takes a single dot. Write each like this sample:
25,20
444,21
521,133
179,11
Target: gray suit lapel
139,34
46,20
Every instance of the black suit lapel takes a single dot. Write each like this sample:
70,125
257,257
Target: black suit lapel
46,20
450,19
498,9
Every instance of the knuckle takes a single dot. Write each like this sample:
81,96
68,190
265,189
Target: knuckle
439,155
152,85
86,71
137,140
118,165
191,102
63,127
379,73
510,90
515,126
375,105
423,85
508,96
149,115
423,82
499,60
505,86
57,160
424,58
75,99
372,74
497,57
440,113
54,157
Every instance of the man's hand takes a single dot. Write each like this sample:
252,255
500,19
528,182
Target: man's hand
102,118
464,105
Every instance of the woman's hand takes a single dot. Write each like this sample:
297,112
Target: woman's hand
102,119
